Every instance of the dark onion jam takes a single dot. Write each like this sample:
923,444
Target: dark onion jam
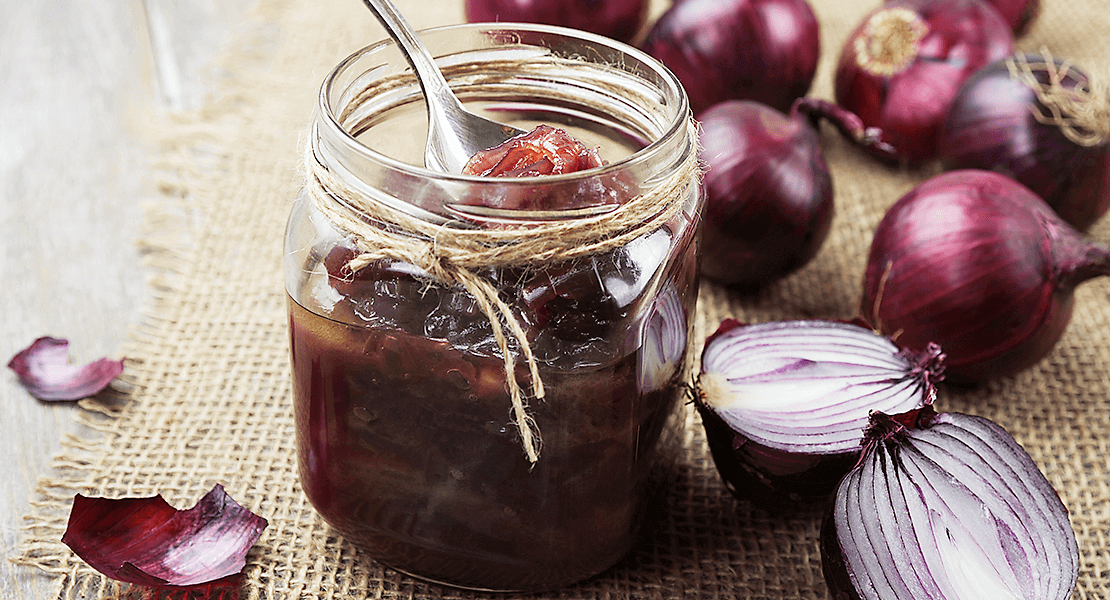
404,431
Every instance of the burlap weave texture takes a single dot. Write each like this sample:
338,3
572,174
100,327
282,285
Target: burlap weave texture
211,398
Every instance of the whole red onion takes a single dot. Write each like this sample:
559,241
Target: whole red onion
976,262
618,19
769,195
762,50
1037,120
901,68
1020,14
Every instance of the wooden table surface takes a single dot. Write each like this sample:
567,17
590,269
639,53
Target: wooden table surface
80,83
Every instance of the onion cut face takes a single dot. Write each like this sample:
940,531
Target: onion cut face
146,541
784,404
946,507
45,371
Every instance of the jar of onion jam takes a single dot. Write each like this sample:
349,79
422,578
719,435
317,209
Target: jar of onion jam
488,370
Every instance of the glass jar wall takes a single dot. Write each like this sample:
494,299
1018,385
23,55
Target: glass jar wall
411,439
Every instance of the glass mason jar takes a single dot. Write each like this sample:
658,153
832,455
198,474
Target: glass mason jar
413,294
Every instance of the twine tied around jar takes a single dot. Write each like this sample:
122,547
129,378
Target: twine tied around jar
452,255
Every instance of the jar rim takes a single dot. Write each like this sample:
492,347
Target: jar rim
677,125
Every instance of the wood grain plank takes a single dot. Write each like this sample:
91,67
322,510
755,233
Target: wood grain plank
79,84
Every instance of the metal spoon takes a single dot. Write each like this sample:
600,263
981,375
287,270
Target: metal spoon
454,133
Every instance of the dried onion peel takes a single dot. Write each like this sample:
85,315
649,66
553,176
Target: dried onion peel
44,370
146,541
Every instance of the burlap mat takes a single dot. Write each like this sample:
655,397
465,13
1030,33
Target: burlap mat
211,396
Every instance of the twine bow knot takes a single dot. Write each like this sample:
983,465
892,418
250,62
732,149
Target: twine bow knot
453,255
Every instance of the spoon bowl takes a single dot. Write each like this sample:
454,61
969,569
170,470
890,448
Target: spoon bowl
454,133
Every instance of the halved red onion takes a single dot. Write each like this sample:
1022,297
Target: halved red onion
44,370
148,542
947,506
784,404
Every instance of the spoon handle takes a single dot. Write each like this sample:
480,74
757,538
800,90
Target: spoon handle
454,133
428,74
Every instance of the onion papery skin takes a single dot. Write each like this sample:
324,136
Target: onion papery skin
618,19
784,404
902,66
946,507
976,262
761,50
991,125
45,372
147,542
769,195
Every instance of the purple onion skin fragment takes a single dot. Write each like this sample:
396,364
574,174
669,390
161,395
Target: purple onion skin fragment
146,541
946,506
784,404
45,372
